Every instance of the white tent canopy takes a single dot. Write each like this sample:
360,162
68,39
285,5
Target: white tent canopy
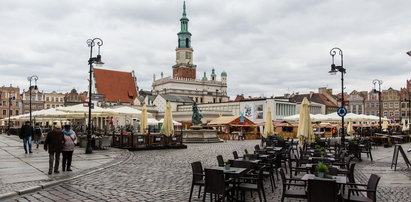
334,117
125,111
174,122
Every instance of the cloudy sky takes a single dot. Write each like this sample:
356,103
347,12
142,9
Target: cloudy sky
266,47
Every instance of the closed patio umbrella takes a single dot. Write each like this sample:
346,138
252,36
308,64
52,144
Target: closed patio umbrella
385,125
268,126
144,120
305,131
350,129
168,127
404,126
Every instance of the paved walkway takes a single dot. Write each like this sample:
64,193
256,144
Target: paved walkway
165,175
20,171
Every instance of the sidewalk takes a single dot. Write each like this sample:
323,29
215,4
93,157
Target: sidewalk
20,171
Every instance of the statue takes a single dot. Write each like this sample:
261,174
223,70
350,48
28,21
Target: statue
196,119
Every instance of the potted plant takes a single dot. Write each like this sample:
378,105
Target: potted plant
321,169
227,165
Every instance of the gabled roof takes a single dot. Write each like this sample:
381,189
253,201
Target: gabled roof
314,97
115,85
175,98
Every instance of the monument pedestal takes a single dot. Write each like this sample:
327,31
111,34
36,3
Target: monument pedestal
200,136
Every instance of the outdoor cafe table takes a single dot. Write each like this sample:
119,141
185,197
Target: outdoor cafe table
263,156
252,161
339,179
319,158
232,171
276,149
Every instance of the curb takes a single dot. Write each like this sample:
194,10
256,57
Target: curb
56,182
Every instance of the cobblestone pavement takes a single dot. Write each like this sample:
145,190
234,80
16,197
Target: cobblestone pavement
165,175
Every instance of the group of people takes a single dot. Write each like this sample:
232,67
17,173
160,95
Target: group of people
57,141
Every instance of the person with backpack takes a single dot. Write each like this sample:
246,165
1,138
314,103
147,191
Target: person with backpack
26,134
37,134
70,140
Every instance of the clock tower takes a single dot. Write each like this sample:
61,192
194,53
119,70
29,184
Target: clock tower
184,67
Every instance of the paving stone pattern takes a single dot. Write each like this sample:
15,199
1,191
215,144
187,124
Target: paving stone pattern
165,175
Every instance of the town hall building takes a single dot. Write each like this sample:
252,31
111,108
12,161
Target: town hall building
183,81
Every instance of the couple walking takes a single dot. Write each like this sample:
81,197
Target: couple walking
60,141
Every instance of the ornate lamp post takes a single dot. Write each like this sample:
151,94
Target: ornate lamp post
379,82
92,60
30,79
333,71
11,97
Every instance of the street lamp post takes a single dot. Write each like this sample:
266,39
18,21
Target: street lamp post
379,82
11,97
333,71
92,60
30,79
409,102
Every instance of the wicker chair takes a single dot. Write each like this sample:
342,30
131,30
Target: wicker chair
290,193
216,184
220,160
322,190
198,177
371,190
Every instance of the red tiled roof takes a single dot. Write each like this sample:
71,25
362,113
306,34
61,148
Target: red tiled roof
115,85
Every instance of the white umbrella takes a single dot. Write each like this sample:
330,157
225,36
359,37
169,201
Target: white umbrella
350,129
268,126
305,131
168,127
385,125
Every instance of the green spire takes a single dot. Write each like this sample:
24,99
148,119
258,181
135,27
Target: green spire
184,9
184,36
213,72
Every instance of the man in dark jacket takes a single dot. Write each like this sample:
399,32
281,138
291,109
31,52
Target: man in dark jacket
26,133
54,143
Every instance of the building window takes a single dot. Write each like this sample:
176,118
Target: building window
391,105
47,99
372,104
17,112
396,105
4,103
377,104
4,112
385,113
385,105
397,113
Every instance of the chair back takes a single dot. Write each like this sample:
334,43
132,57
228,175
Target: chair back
332,171
235,154
372,185
283,179
322,190
241,164
350,176
257,147
220,160
214,181
245,151
197,171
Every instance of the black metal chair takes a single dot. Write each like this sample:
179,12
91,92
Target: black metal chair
216,184
367,149
291,193
198,177
322,190
258,186
235,154
371,190
220,160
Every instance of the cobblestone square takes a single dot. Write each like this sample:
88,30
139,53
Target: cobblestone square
165,175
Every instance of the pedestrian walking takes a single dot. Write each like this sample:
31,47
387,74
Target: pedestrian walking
70,140
54,143
26,134
37,135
